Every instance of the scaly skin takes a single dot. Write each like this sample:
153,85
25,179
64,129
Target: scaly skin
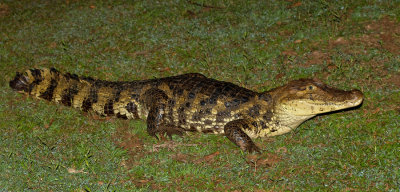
192,102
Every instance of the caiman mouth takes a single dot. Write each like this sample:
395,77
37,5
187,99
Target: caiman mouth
346,100
309,105
358,97
352,99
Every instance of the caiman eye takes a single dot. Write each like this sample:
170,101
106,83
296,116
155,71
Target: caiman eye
310,87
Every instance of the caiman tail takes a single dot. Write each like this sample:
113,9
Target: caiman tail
104,97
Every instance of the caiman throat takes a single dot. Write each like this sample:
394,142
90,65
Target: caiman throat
192,102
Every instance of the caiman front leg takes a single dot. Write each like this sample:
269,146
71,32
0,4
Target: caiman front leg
156,102
234,131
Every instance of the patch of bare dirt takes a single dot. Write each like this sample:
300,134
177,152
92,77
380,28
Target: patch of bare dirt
289,52
208,158
181,157
383,33
394,80
380,34
317,57
263,161
130,142
170,145
4,10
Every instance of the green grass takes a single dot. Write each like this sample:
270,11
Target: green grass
256,44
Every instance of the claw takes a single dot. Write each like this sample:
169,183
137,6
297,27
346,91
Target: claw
167,131
173,131
253,148
154,135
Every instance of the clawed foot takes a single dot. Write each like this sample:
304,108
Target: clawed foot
234,132
248,146
167,130
253,148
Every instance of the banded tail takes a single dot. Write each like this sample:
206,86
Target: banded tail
104,97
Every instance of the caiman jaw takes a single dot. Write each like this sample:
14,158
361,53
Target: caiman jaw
303,99
306,107
308,98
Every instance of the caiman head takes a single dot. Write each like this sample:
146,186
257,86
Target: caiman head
302,99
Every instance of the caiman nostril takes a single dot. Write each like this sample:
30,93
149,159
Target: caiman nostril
357,94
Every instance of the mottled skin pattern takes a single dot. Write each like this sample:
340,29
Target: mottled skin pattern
192,102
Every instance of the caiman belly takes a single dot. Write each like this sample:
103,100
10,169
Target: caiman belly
197,103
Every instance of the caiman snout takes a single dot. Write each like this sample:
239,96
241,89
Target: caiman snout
358,96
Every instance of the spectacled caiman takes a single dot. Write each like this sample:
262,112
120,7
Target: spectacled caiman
192,102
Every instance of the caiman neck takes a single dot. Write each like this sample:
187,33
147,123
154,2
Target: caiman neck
279,121
287,122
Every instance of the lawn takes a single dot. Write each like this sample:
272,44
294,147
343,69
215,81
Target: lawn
255,44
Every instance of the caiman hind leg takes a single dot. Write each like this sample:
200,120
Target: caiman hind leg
156,102
234,131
